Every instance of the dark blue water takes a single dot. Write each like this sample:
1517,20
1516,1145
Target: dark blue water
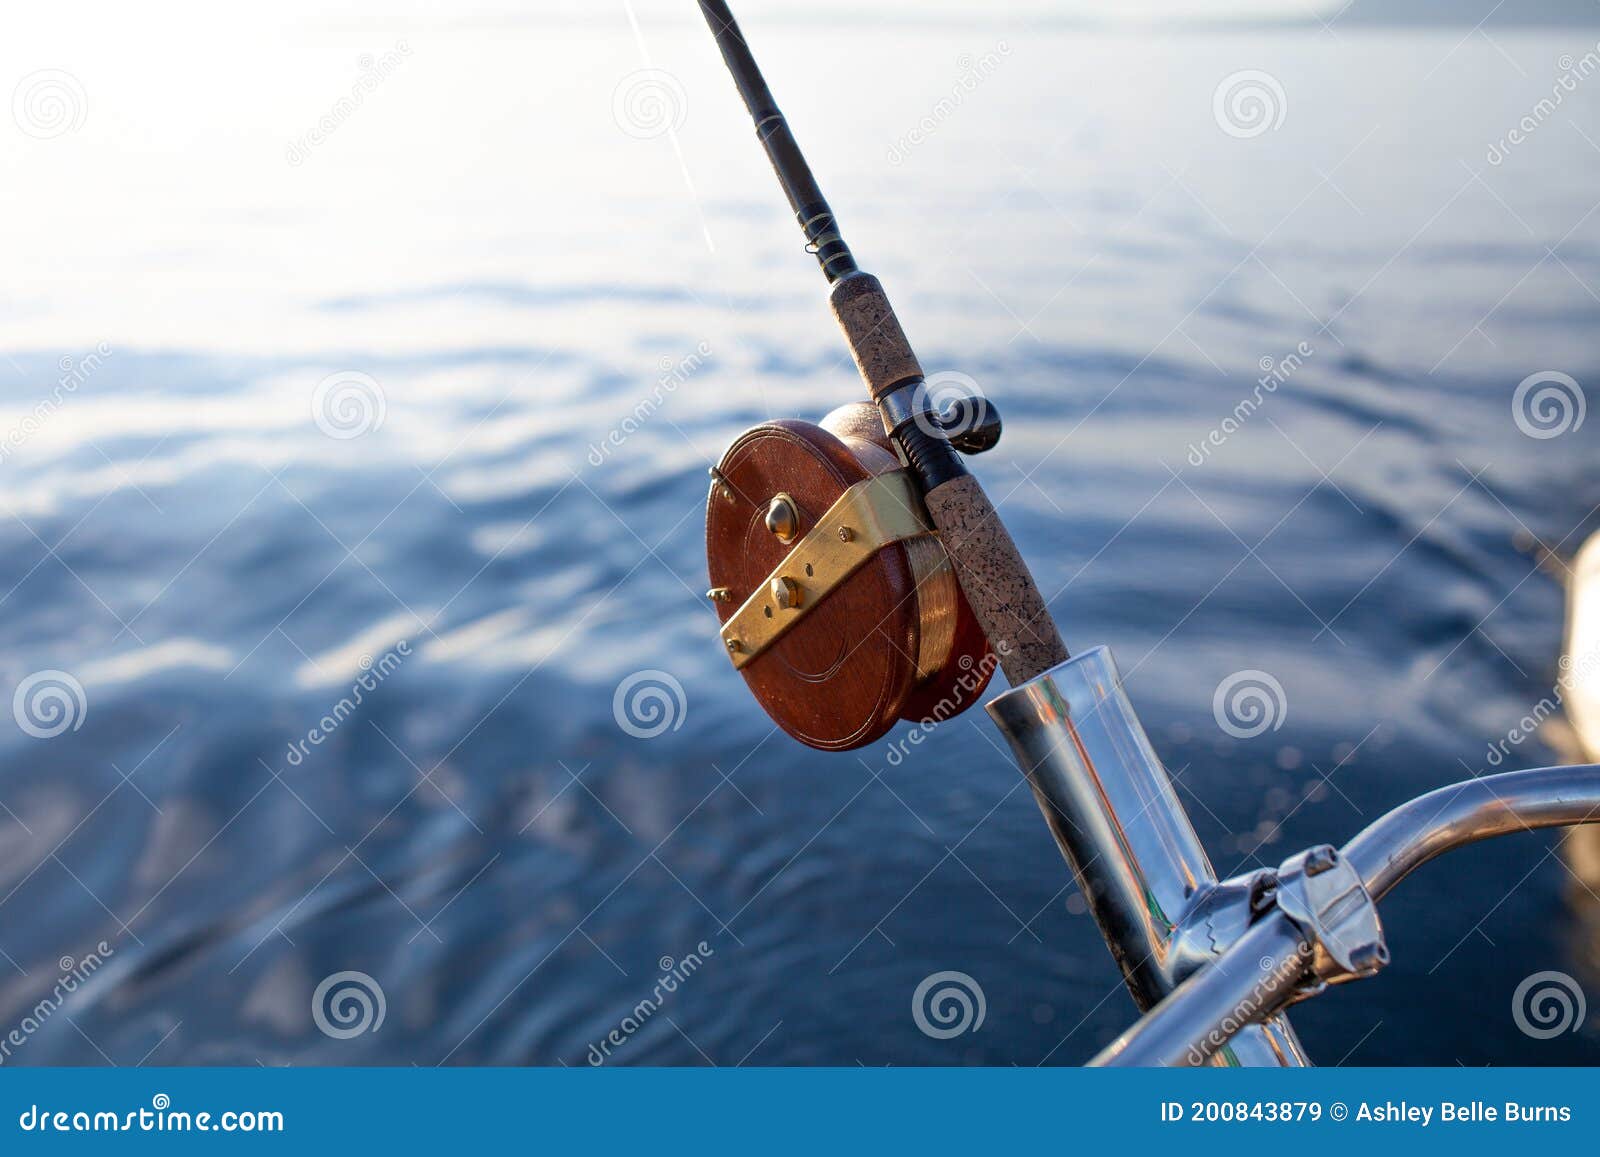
479,835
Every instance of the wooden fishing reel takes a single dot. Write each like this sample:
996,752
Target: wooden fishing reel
839,605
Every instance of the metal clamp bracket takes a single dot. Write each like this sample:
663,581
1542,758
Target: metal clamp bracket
863,520
1322,893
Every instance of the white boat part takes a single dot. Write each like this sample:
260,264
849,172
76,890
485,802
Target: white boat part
1580,665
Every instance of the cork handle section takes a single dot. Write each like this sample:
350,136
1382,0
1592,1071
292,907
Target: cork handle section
882,353
996,580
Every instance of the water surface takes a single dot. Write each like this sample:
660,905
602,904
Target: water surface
512,269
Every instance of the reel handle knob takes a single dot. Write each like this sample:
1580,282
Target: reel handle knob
972,424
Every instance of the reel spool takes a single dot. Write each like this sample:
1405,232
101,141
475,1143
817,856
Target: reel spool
839,606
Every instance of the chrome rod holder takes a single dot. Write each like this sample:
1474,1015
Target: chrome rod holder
1119,823
1316,934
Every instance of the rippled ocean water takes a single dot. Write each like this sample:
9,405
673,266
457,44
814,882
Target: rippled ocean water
484,245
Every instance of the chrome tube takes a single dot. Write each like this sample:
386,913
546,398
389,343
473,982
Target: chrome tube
1265,969
1401,841
1114,814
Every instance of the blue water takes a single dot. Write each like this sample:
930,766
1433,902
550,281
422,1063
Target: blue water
512,271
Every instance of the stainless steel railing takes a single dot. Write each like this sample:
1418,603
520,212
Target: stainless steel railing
1213,963
1273,963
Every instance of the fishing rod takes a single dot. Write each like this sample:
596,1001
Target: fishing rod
862,577
992,575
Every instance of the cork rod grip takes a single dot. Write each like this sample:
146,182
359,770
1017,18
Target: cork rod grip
879,345
992,574
995,580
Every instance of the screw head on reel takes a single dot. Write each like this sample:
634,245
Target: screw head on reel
838,603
